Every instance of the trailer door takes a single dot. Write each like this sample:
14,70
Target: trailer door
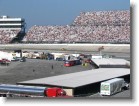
105,89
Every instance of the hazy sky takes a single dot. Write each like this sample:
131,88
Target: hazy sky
56,12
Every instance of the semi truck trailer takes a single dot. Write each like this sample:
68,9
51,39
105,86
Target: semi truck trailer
112,86
30,91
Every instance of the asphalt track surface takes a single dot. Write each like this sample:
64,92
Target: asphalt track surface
124,48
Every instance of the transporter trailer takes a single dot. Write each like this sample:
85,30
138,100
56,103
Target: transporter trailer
113,86
7,90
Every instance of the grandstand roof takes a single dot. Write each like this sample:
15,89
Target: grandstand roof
7,18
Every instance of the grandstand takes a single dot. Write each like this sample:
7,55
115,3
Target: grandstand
11,29
91,34
88,27
103,18
6,36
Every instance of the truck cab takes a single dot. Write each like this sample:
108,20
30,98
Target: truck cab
55,92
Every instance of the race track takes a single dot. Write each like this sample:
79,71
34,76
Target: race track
122,48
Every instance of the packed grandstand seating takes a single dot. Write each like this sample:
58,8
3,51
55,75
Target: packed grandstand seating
107,34
103,18
6,36
92,27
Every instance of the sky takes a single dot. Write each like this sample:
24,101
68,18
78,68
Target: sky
56,12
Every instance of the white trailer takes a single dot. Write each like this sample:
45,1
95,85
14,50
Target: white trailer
112,86
96,57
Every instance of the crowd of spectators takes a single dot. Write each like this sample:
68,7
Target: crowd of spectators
107,34
6,36
103,18
95,27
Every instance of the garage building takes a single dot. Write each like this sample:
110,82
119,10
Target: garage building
80,83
